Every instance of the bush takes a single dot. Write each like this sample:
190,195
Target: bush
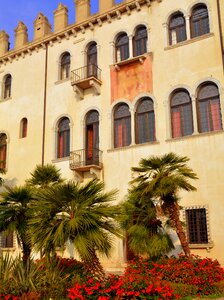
122,287
194,270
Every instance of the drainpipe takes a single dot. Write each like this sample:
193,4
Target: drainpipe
45,102
220,32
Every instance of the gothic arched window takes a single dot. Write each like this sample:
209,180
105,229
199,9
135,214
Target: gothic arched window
140,41
199,20
181,114
3,150
63,138
23,127
208,106
122,126
122,47
7,86
177,29
65,66
145,121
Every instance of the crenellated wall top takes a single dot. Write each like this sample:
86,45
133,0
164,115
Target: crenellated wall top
43,34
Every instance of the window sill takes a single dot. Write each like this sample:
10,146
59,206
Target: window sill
57,160
139,58
202,246
5,99
190,41
62,80
11,249
132,146
203,134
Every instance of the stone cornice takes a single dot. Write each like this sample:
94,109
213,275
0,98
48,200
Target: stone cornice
97,19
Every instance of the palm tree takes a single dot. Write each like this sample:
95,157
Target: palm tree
14,215
44,176
143,227
163,177
81,214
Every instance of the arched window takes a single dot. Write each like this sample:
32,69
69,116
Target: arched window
3,150
92,137
122,47
199,20
145,121
208,105
7,86
181,114
122,126
92,60
23,127
63,139
140,41
65,66
177,29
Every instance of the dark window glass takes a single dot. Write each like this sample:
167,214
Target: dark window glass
6,240
63,138
3,149
65,66
209,111
92,60
177,29
199,21
122,47
140,41
92,137
181,114
24,128
7,87
122,126
197,226
145,121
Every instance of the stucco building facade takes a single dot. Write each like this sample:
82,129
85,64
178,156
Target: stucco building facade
139,78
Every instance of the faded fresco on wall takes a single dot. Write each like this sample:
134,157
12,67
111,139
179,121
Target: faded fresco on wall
131,80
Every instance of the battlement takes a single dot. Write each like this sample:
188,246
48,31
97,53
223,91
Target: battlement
43,29
43,33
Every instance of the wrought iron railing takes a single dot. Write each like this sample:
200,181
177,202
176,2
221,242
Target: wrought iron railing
85,157
86,72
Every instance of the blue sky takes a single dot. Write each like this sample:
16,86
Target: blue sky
13,11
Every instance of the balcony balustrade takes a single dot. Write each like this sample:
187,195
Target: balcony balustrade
85,159
86,77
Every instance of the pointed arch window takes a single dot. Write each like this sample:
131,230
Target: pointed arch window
199,21
122,47
181,114
92,60
140,41
3,150
177,29
7,86
63,138
92,137
65,66
23,128
209,110
145,121
122,126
